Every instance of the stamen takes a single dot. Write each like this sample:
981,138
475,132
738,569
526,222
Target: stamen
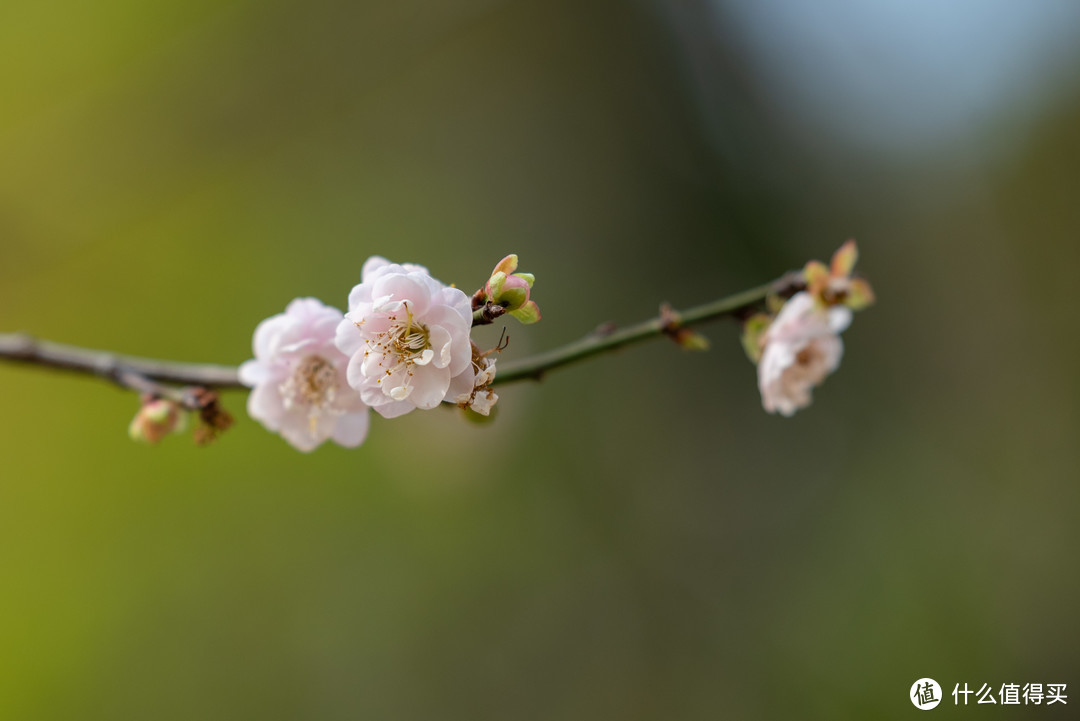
313,384
404,345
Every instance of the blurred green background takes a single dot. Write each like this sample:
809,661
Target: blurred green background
634,538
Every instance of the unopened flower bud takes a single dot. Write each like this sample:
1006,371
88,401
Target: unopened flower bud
833,284
689,339
156,419
513,291
507,292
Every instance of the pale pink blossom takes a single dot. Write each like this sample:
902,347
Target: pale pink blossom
298,379
407,338
801,347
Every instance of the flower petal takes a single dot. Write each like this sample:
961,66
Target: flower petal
371,268
352,428
384,406
839,318
348,338
253,372
462,384
401,288
296,429
442,345
265,406
429,387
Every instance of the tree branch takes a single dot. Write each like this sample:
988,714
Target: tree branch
147,375
144,375
607,338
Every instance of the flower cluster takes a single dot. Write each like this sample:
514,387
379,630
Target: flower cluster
404,344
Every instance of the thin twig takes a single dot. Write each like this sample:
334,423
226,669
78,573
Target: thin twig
611,339
189,397
120,369
146,375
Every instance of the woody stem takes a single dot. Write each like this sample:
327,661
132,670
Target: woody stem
147,375
607,338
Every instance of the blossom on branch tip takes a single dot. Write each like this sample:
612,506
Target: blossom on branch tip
298,379
407,339
507,292
799,349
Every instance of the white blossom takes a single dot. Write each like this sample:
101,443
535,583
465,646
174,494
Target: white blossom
407,338
801,347
298,379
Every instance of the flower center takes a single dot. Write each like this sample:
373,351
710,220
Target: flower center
402,346
806,356
313,383
809,366
409,341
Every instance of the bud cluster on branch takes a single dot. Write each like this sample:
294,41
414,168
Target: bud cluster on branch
405,344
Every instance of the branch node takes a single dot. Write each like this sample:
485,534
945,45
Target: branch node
604,329
486,313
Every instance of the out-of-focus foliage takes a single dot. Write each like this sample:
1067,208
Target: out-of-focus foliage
632,539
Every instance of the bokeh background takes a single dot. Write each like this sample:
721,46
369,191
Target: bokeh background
634,538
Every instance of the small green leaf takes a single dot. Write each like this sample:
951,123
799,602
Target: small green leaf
753,331
816,274
859,294
528,313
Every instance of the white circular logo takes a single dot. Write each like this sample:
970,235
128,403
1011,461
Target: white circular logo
925,694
